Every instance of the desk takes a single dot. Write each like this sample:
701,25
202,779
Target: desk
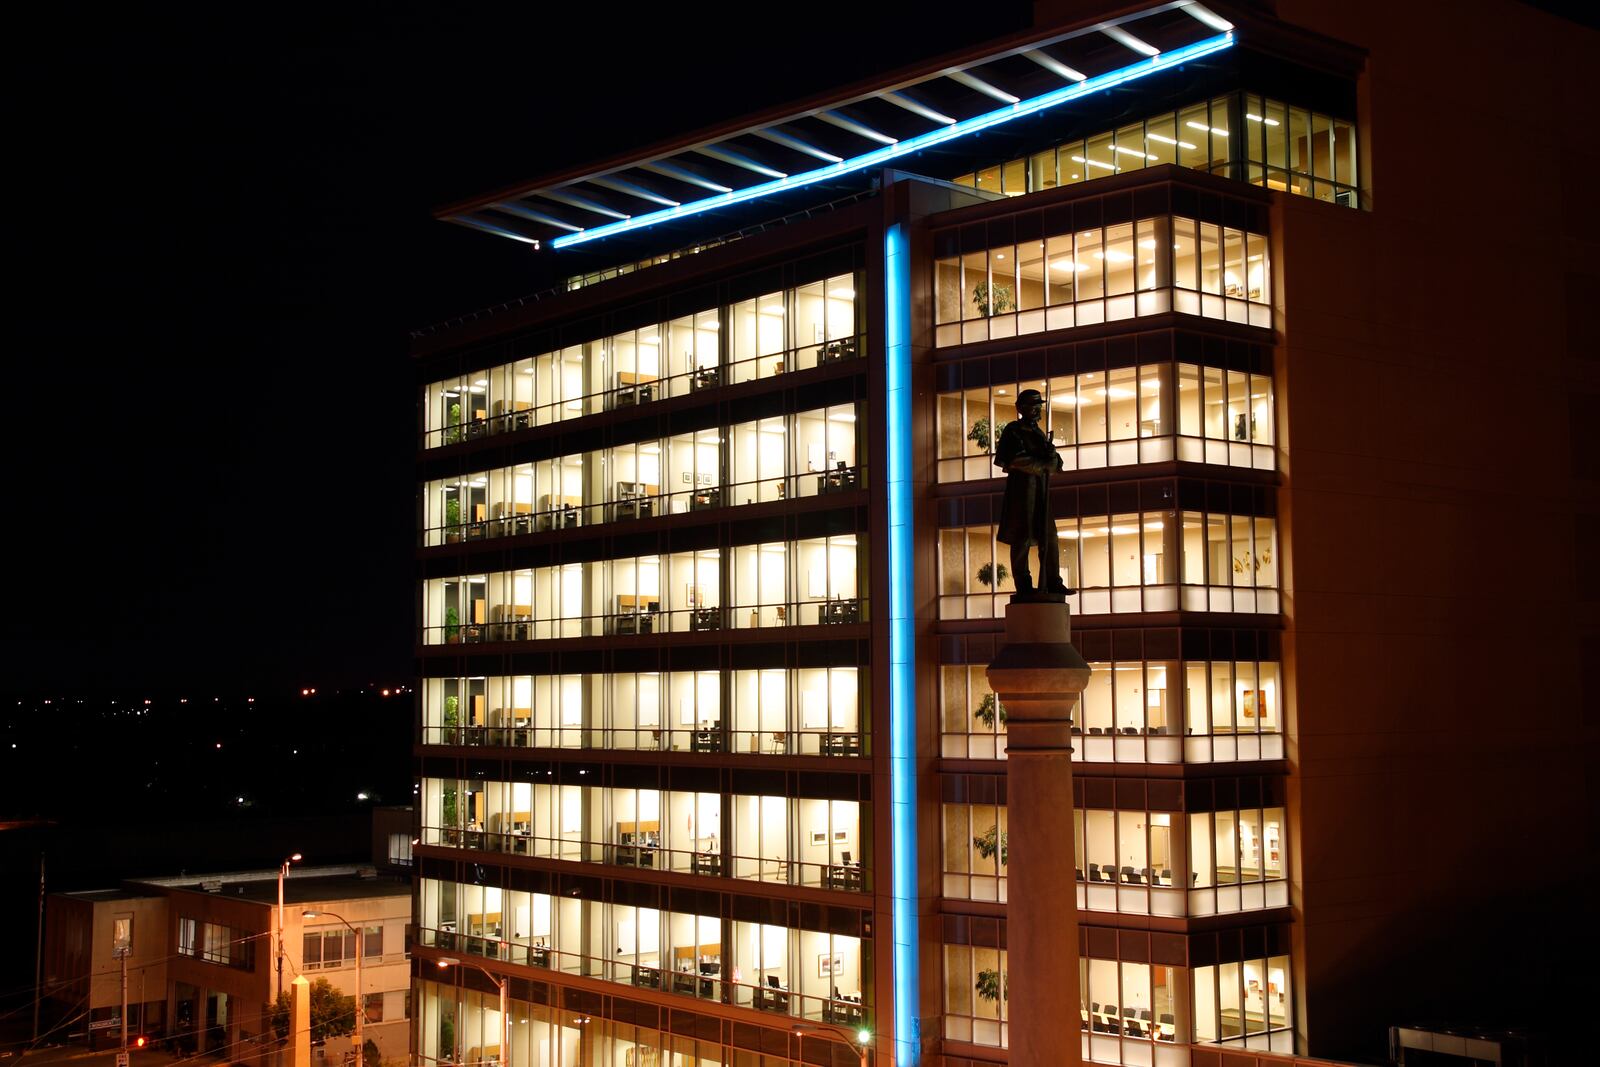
841,611
513,525
838,480
539,956
846,876
647,977
771,998
706,863
634,856
706,619
635,622
705,378
639,507
561,519
835,351
706,740
703,499
845,1011
630,395
841,744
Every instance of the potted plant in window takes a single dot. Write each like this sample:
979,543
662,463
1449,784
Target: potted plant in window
452,626
452,519
992,985
452,433
992,575
989,710
991,841
447,812
980,433
452,719
992,299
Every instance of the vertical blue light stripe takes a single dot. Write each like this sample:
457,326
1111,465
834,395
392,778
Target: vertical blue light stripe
902,679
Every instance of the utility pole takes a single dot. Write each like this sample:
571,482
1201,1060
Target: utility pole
38,954
122,1054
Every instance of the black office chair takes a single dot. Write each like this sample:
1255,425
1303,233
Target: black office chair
1166,875
1194,879
845,856
1095,731
1129,730
1112,1026
1079,871
1110,873
1131,876
1130,1025
1150,876
772,980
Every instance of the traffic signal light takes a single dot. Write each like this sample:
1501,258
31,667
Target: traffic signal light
139,1041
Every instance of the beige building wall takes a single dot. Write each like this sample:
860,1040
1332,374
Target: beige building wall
388,975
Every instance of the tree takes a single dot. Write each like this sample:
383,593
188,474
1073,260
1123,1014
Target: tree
332,1013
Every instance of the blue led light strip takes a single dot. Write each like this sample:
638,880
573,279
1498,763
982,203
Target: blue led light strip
883,155
902,679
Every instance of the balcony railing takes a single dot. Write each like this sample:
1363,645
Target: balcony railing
707,738
519,519
640,390
848,877
705,982
649,618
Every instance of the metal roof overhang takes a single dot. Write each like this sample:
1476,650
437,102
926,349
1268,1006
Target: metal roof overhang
929,120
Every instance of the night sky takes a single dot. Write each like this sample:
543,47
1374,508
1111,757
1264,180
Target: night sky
222,231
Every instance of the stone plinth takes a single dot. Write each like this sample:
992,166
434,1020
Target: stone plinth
1038,678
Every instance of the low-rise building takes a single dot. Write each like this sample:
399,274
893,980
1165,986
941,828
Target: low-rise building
202,966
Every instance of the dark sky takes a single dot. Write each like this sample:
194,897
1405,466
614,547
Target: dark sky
220,227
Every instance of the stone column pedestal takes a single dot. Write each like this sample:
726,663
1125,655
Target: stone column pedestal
1038,677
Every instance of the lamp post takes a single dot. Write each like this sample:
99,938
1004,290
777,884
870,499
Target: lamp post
361,1007
857,1040
502,983
283,872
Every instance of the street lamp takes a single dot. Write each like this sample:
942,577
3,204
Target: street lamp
858,1040
283,872
361,1007
503,983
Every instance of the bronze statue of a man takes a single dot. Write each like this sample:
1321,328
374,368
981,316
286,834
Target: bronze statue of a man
1028,457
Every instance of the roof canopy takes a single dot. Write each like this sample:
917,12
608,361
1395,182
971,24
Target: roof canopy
823,150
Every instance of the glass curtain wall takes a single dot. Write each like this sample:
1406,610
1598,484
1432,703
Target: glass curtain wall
1119,417
800,328
1107,273
1281,146
1154,711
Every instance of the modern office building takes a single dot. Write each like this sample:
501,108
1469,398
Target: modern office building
707,581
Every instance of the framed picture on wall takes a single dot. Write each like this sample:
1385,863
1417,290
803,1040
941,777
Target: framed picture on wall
819,837
1255,703
841,837
829,966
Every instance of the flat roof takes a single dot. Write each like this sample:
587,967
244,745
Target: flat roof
825,149
302,886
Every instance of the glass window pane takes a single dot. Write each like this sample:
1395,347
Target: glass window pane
1030,275
1042,171
1119,259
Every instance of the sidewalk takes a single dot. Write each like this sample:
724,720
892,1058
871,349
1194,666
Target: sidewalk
78,1056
